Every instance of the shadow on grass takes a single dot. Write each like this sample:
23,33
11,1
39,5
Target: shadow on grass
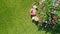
56,29
53,29
36,23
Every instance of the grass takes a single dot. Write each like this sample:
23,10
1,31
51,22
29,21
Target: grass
15,18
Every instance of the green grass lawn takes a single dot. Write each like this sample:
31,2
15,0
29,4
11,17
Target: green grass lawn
15,18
